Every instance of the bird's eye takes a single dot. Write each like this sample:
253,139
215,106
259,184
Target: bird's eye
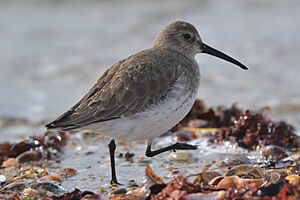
187,36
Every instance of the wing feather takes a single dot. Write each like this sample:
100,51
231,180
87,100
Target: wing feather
125,89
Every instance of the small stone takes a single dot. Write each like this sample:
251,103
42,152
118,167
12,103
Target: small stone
67,172
180,156
293,179
129,156
230,182
29,156
119,191
93,197
16,186
273,152
11,162
49,187
182,136
132,183
50,178
31,193
215,180
2,178
42,172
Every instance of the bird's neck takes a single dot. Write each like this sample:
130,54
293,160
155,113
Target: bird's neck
186,54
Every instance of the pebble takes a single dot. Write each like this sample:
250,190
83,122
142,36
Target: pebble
29,156
2,178
67,172
31,193
273,152
49,187
273,177
50,178
93,197
215,180
207,176
180,156
230,182
182,136
42,172
11,162
293,179
119,191
16,186
233,160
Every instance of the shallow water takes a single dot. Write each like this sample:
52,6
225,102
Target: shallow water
51,53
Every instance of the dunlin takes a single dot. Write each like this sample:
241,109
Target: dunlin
146,94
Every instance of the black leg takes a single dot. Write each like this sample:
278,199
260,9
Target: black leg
112,148
176,146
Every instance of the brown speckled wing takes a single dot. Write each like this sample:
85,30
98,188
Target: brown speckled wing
128,87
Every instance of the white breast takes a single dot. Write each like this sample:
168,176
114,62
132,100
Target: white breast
152,122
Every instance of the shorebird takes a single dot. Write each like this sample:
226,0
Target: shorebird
146,94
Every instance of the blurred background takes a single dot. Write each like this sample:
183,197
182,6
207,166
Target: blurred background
52,52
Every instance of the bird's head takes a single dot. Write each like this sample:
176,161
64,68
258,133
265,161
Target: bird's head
184,38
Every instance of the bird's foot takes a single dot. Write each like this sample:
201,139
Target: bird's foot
115,182
184,146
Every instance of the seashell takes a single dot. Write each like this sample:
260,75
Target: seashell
29,156
150,180
272,176
205,177
203,196
42,172
27,173
273,152
230,182
293,179
119,191
2,178
152,177
16,186
255,173
281,172
67,172
257,182
180,155
240,169
55,139
48,186
50,178
6,179
215,180
11,162
31,193
182,136
22,147
93,197
234,160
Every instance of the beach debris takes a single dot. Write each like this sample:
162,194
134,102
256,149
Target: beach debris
269,169
67,172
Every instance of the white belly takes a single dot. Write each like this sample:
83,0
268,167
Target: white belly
150,123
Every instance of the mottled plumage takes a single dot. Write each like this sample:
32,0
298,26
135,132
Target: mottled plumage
146,94
135,84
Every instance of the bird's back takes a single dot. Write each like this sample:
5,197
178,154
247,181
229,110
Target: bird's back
128,87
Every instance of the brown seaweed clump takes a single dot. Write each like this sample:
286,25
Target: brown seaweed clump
249,129
252,130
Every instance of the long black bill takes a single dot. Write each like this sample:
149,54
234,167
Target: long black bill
214,52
